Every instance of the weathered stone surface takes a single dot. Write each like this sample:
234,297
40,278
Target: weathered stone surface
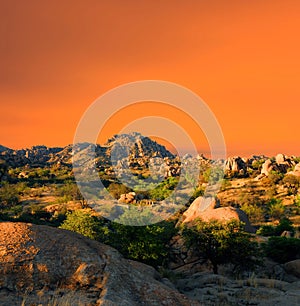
296,170
235,166
293,267
214,289
208,209
41,264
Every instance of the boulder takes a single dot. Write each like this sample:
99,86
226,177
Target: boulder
45,265
208,209
296,170
293,267
128,198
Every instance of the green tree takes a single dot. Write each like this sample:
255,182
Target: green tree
221,243
84,223
148,244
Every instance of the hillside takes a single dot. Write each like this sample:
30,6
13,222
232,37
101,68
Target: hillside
43,265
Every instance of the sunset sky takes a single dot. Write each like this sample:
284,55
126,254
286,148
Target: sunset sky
241,57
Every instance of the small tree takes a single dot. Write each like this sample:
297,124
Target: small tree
222,243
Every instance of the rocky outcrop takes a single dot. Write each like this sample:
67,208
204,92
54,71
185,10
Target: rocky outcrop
41,265
281,164
220,290
208,209
296,170
134,148
127,198
235,166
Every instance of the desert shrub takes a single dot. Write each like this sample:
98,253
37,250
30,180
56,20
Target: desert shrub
254,212
276,209
292,182
116,190
266,230
8,195
222,243
199,191
164,189
213,174
285,224
282,249
275,177
225,184
297,201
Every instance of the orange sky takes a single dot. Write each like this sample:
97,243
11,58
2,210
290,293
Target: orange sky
241,57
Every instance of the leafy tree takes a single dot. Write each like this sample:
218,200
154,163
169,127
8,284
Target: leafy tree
148,244
222,243
84,223
282,249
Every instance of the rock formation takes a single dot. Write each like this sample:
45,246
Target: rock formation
281,164
41,265
296,170
235,166
208,209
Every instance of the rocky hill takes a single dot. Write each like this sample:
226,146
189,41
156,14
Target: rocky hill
140,149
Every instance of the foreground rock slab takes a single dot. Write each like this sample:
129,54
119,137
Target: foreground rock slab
40,265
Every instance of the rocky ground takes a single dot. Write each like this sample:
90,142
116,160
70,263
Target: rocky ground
42,265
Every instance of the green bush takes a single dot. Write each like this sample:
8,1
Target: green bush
285,224
222,243
254,212
164,189
276,209
8,195
116,190
148,244
84,223
282,249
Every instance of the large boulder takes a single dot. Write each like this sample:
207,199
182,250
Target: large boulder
293,267
42,265
208,209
